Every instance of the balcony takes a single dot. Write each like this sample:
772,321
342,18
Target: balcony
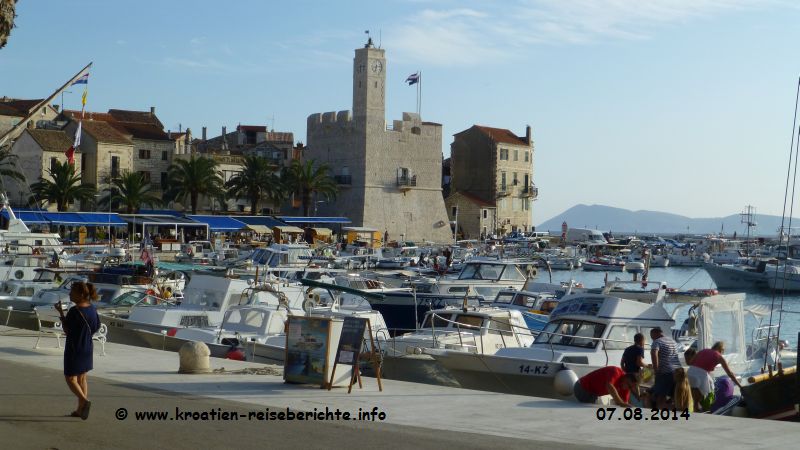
343,180
503,192
530,191
405,183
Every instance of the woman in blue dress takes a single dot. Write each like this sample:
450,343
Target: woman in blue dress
80,323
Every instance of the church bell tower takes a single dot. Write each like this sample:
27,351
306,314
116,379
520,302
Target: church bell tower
369,85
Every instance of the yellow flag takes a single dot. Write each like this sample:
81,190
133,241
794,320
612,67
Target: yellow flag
83,97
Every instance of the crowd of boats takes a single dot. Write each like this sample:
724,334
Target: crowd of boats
473,314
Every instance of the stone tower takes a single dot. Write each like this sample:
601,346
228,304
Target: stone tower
389,177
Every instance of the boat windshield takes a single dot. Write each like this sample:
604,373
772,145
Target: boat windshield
128,299
481,272
513,273
505,297
573,333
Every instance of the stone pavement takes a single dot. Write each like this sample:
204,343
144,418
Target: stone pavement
34,401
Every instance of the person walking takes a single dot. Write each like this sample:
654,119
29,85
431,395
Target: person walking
80,323
664,355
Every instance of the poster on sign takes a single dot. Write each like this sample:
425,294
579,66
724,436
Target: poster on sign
307,347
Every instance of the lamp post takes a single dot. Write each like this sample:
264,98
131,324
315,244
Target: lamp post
455,231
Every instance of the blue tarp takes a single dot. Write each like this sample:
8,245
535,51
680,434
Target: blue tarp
289,219
219,224
69,218
267,221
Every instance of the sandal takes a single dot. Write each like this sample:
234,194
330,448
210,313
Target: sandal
74,414
85,410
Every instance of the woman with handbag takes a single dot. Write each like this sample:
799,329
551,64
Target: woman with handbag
80,323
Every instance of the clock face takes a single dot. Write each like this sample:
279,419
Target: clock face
376,66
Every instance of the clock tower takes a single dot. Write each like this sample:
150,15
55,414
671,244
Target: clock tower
369,85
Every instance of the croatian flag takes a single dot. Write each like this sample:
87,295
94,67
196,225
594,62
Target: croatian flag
413,79
71,151
84,79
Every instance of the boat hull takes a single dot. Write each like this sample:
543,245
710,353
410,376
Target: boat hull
729,277
417,369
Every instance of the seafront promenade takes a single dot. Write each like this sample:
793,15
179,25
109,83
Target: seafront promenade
34,401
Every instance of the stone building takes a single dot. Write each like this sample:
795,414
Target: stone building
495,166
389,177
105,152
472,217
37,151
153,149
12,111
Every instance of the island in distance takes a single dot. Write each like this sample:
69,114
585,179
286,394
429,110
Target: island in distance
622,221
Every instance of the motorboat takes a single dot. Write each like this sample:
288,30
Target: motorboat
481,330
603,264
590,331
535,306
740,276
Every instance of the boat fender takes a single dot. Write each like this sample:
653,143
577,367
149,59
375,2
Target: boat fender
235,354
171,332
19,274
564,381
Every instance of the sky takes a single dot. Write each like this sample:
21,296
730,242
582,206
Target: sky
682,106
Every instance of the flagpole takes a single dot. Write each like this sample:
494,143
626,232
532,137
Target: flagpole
419,95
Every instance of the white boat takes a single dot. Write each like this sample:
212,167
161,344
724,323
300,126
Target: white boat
602,264
18,238
481,330
590,331
739,276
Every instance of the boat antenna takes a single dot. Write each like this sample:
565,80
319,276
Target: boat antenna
790,174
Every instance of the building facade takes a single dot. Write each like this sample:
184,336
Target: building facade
472,217
389,177
495,166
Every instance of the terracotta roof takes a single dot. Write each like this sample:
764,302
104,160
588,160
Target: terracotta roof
502,135
88,115
280,136
474,199
21,106
6,110
139,130
51,140
122,115
104,132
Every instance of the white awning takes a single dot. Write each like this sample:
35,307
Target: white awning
323,231
288,229
260,229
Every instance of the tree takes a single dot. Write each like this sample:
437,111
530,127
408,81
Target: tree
63,188
8,168
253,182
191,178
7,15
130,191
306,180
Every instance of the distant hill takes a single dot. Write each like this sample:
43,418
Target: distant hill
618,220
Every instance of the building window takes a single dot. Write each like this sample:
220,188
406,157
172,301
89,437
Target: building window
454,210
502,181
163,179
515,181
526,156
526,184
144,154
165,155
516,155
503,154
53,162
114,166
485,214
145,175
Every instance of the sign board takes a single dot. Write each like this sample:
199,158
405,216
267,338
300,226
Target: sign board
307,349
351,339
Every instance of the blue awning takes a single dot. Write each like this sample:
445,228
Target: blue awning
266,221
91,219
289,219
219,224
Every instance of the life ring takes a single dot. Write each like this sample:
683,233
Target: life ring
685,252
19,274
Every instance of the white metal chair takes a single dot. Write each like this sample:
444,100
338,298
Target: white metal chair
43,330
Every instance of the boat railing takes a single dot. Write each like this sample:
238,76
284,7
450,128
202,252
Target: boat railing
501,332
602,341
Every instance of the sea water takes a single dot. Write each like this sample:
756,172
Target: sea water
685,278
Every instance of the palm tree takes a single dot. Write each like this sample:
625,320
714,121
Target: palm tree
192,178
305,179
276,190
253,182
8,168
130,191
63,188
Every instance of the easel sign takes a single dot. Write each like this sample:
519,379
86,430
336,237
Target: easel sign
307,347
351,342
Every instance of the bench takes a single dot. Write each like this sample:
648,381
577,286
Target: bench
44,328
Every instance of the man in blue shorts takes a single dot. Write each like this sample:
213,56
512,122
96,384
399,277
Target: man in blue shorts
664,354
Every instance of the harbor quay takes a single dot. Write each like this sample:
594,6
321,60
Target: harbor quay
138,396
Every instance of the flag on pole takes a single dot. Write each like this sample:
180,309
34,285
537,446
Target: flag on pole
71,151
413,79
84,79
83,97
